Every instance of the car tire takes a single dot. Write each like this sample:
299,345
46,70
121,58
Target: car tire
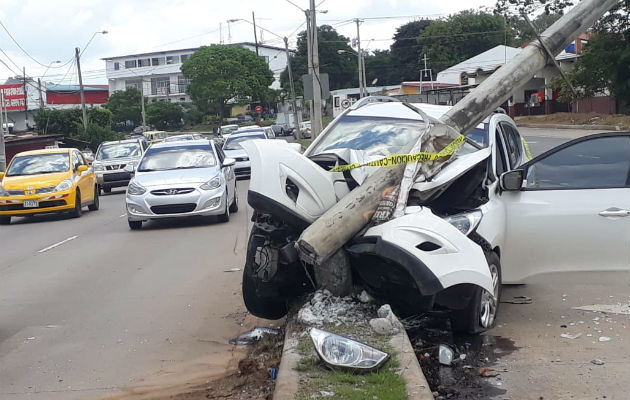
5,220
134,225
480,313
234,205
78,208
96,204
225,217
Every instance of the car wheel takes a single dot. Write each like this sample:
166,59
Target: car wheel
78,209
96,204
134,225
107,189
225,217
5,220
234,205
481,312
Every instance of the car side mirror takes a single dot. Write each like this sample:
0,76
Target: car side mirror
229,162
129,168
511,180
81,169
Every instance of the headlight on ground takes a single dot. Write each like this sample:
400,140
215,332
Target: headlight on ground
213,183
135,189
339,352
465,222
66,184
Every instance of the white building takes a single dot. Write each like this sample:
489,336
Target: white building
158,74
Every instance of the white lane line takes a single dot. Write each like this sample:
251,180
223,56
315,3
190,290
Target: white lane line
124,215
52,246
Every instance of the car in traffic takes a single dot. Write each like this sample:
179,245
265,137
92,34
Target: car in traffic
46,181
280,130
227,130
305,129
155,136
233,148
182,179
185,136
112,158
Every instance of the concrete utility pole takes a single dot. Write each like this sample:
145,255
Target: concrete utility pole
316,117
144,115
85,120
25,99
296,124
360,57
3,155
41,98
335,227
255,37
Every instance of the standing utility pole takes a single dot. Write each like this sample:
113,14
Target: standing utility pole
144,116
39,88
360,57
85,121
3,156
25,99
296,125
255,37
316,118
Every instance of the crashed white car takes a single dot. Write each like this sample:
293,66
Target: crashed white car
489,216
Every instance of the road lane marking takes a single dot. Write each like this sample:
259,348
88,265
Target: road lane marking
52,246
124,215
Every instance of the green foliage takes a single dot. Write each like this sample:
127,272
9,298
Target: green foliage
66,122
462,36
405,53
221,73
97,134
164,115
191,114
100,116
125,105
379,65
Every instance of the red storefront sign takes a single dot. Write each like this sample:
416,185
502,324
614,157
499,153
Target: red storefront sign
14,97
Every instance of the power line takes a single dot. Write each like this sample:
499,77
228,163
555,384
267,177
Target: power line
21,48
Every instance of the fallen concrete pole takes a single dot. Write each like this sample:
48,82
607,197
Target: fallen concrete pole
345,219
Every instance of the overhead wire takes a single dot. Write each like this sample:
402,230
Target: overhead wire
21,48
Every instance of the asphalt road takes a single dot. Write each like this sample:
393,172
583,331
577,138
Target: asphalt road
540,140
88,306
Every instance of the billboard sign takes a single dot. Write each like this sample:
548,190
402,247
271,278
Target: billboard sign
14,97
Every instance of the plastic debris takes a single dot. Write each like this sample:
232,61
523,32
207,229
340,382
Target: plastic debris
445,355
254,335
519,300
235,269
597,361
488,372
273,373
604,339
570,336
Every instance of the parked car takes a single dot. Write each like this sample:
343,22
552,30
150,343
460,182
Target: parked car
155,136
112,158
488,216
44,181
227,130
186,136
182,179
305,129
233,148
280,130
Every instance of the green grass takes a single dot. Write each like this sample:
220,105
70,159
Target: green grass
326,120
304,142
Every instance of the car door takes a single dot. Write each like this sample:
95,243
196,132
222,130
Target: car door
572,213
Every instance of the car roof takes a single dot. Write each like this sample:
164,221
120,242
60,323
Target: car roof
123,141
180,143
45,151
247,133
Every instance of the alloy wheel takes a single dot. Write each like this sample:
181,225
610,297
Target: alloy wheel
490,301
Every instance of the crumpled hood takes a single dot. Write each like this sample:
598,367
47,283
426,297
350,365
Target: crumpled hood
175,176
36,181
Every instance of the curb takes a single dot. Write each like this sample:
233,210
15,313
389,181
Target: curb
585,127
288,380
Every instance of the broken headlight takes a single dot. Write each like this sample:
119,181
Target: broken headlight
341,353
465,222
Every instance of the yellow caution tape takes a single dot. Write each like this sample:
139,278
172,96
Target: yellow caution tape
526,146
396,159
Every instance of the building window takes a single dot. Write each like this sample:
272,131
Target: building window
144,62
116,66
172,59
158,61
182,84
160,86
130,64
185,57
133,83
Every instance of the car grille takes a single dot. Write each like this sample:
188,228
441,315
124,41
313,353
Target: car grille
42,204
48,189
241,158
15,192
174,208
114,167
242,171
171,192
117,176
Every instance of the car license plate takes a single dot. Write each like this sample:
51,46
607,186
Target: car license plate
31,203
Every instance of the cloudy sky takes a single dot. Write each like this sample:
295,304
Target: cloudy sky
49,30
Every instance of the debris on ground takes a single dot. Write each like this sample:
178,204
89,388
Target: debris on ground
445,355
571,336
386,323
324,308
253,336
604,339
487,372
519,300
619,308
235,269
597,361
365,297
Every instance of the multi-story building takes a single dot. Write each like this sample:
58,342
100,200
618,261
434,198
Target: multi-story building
158,74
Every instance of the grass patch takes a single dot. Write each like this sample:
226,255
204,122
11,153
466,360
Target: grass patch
326,120
304,142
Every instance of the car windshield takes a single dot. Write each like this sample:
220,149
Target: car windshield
228,129
177,157
39,164
118,150
234,143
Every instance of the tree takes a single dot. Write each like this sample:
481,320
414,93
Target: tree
219,74
125,105
65,122
406,52
164,115
462,36
97,134
100,116
379,65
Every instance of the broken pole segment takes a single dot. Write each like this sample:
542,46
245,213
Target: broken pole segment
346,218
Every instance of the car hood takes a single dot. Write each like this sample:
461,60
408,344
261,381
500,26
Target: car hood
175,177
36,181
235,153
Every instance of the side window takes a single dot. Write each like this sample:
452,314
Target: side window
501,162
76,160
512,140
597,163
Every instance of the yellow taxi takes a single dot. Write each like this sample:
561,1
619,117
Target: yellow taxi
155,136
43,181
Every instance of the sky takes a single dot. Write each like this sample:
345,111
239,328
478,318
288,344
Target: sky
49,30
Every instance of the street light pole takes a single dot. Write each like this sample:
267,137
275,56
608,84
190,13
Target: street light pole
316,120
361,88
255,37
296,125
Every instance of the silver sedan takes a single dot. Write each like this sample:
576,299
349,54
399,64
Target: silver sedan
180,179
